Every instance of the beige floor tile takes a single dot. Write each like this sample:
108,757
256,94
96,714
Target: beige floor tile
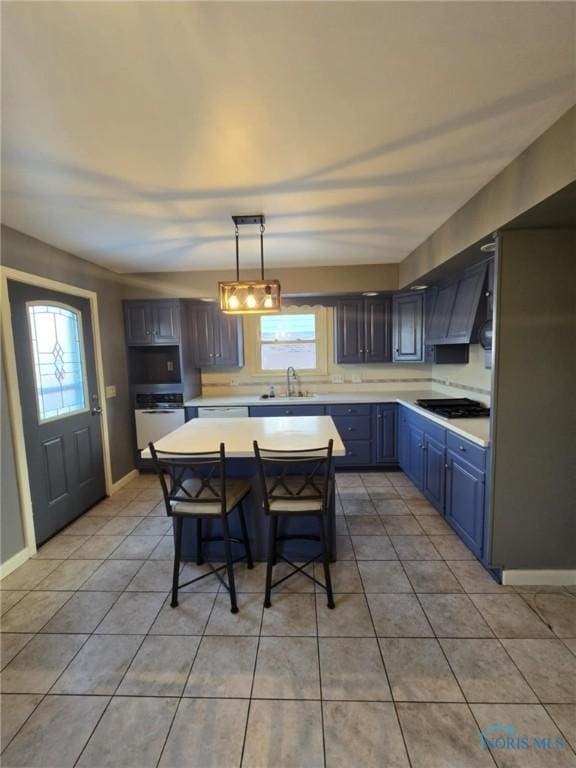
55,733
373,548
401,525
420,507
99,666
398,616
418,670
414,548
564,715
558,610
29,574
451,548
137,508
509,616
60,547
289,615
33,611
433,525
454,616
70,574
365,734
344,550
192,571
15,709
548,666
132,614
285,734
287,668
365,525
352,668
380,576
82,613
153,576
206,733
431,576
135,547
161,666
86,526
474,578
154,526
112,576
119,526
571,644
345,577
530,721
391,506
348,479
409,493
40,663
131,733
11,645
223,668
485,672
164,550
442,736
354,492
9,598
350,617
188,618
98,547
352,507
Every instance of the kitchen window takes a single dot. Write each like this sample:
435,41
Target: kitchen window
293,337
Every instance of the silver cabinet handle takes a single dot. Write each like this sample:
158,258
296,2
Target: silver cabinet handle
379,416
350,429
461,448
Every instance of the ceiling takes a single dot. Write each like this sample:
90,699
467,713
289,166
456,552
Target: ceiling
133,131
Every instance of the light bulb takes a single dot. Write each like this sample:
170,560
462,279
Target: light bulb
250,300
268,303
233,302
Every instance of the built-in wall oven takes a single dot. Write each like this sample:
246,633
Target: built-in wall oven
156,415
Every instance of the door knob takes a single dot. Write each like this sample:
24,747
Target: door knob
96,410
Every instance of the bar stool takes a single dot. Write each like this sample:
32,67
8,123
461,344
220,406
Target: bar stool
199,490
296,484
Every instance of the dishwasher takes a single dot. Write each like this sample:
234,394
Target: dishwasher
157,415
223,412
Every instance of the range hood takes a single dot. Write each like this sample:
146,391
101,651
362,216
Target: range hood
458,308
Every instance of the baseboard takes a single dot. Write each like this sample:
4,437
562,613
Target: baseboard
556,578
124,481
14,562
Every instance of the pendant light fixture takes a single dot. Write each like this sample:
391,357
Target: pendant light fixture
249,297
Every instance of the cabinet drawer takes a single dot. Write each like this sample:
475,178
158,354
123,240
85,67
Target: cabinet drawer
349,410
357,453
287,410
353,427
469,451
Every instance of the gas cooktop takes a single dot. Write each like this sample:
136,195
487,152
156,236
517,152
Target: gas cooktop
455,408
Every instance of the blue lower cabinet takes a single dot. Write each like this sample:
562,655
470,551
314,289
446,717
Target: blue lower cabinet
385,443
287,410
190,413
415,465
465,491
358,454
353,427
403,439
434,471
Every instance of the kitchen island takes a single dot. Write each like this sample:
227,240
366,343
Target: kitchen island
290,433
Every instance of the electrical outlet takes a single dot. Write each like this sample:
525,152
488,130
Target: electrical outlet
356,378
170,365
337,378
111,390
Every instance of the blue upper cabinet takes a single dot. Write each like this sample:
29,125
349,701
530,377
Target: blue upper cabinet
408,328
152,322
363,330
455,308
216,337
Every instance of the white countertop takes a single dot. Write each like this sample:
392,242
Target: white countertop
285,433
476,430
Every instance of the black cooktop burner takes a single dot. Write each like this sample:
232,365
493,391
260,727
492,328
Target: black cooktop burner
455,408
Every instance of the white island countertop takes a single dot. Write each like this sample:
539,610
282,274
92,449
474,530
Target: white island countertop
284,433
476,430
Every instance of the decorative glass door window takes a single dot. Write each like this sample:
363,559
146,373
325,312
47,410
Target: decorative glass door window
288,339
58,359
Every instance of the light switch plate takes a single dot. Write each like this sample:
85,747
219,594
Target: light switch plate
356,378
337,378
111,390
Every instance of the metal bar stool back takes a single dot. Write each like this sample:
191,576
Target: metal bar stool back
296,484
195,486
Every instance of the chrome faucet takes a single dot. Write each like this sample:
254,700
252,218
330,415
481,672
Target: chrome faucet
290,372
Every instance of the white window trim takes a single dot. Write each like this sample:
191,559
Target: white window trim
252,344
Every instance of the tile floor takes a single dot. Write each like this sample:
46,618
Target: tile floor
423,650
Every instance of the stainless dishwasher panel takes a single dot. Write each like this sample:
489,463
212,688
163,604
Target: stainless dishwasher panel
223,412
154,423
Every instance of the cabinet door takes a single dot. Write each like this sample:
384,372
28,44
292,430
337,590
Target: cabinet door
378,330
441,314
227,340
434,471
138,322
465,501
403,440
465,306
415,468
166,321
408,317
386,434
202,334
350,331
